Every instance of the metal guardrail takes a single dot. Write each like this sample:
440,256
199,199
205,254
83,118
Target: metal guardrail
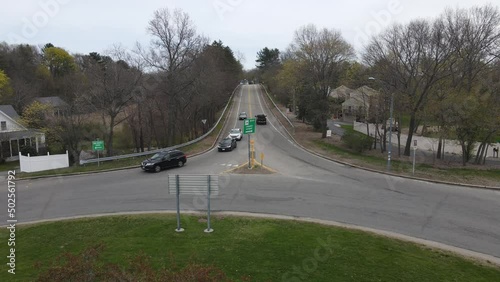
272,101
88,161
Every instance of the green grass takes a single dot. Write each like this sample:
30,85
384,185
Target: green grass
9,166
264,250
406,166
469,172
88,167
349,128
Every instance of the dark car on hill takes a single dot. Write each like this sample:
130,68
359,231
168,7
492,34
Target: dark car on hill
261,119
227,144
164,160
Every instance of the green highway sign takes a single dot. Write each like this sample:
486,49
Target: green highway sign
249,126
98,145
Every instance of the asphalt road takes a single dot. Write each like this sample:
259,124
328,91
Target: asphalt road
304,185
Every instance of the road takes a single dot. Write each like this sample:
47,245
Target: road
304,185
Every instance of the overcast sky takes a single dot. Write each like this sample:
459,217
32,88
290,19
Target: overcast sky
246,26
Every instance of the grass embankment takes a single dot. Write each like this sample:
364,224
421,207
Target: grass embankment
264,250
454,174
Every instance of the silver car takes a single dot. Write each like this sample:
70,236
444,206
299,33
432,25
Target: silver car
236,133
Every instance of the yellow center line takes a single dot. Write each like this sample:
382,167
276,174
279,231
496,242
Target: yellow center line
250,115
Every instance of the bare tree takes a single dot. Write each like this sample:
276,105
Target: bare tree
323,52
174,47
410,60
112,89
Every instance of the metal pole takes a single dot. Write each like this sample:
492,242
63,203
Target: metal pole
249,154
177,191
389,150
208,230
98,158
414,154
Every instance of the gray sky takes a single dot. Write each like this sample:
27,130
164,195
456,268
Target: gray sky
246,26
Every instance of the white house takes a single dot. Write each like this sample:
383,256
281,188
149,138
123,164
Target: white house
357,103
13,135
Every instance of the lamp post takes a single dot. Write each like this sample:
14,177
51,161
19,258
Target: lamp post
389,147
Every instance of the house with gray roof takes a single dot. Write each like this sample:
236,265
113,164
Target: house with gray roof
57,105
13,135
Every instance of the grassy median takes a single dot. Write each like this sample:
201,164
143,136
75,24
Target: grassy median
241,248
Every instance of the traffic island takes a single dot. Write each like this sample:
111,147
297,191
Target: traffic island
256,169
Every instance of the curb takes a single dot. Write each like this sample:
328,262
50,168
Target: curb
475,186
484,259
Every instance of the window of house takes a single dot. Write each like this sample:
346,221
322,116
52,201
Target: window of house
3,125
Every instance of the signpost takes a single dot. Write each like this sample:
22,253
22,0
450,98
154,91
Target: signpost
414,154
98,145
249,128
195,185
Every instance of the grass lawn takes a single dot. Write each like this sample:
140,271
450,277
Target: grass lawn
9,166
465,175
264,250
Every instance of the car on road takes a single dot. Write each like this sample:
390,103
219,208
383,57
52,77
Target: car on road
163,160
261,119
227,144
236,133
242,116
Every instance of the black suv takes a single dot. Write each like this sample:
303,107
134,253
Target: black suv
164,160
261,119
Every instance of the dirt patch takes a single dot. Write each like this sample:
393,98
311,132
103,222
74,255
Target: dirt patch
243,169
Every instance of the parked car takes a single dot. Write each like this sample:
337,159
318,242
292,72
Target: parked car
164,160
236,133
242,116
261,119
227,144
395,125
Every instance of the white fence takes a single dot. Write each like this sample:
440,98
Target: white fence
40,163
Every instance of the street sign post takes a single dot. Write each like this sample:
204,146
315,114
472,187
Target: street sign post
414,154
249,128
98,145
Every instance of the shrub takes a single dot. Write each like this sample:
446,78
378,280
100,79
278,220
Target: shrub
25,150
357,141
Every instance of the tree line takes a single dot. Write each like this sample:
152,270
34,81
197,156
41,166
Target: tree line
443,72
160,92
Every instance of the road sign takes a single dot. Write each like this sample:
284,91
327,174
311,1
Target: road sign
98,145
249,126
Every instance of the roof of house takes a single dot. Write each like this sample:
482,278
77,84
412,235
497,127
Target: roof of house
9,111
367,91
54,101
341,92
